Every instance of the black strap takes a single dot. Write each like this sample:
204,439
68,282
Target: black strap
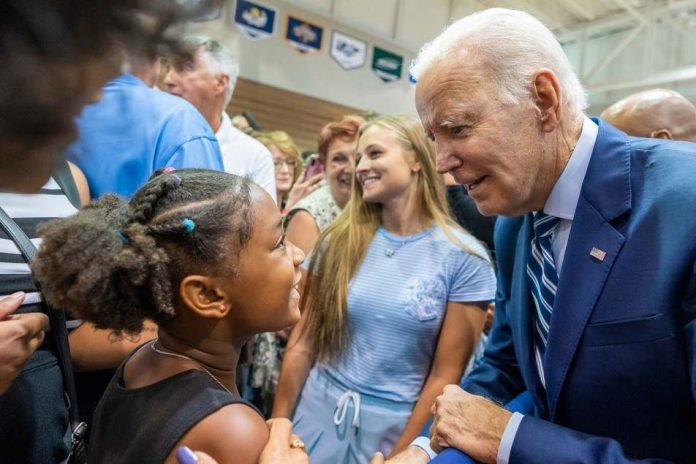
64,178
56,318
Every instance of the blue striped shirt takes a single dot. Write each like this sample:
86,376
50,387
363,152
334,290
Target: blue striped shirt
396,304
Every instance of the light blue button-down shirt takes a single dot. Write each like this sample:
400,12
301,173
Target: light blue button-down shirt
561,203
135,130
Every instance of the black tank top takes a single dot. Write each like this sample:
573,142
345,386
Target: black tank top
142,425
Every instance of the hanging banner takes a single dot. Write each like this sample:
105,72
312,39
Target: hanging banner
256,21
348,51
387,65
303,36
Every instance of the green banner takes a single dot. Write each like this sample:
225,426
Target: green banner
387,65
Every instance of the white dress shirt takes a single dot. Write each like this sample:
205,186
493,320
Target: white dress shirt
245,156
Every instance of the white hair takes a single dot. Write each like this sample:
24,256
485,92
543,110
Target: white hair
218,59
514,45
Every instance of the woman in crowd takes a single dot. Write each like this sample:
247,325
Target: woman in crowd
290,184
204,255
310,216
394,305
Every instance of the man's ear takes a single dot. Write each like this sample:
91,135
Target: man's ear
202,296
222,81
547,98
661,134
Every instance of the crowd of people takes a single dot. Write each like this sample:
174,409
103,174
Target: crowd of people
179,285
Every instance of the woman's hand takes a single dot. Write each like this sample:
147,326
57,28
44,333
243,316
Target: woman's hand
303,188
283,446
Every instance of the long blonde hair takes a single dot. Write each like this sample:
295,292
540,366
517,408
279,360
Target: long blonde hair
342,245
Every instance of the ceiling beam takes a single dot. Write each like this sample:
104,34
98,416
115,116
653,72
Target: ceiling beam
673,76
632,11
578,10
624,19
552,23
614,52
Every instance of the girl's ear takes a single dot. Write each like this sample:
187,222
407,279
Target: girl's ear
202,296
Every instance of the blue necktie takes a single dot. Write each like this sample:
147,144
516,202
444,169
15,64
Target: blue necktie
543,280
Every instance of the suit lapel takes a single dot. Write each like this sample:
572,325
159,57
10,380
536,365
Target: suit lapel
592,247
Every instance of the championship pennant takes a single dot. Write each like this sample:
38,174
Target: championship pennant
304,36
387,65
256,21
347,51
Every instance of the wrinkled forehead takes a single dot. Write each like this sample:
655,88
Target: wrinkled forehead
448,88
188,59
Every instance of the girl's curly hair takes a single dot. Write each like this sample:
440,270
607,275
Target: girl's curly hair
116,264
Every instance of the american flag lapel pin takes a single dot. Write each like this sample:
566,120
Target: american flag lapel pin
598,254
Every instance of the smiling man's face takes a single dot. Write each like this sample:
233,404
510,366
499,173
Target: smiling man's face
495,149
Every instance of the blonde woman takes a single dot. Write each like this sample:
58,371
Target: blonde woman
393,307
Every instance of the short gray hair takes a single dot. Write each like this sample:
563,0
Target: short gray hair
217,58
514,45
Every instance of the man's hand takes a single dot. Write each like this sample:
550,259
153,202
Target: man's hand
411,455
278,449
20,336
469,423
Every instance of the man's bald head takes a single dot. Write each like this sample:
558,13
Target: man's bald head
656,113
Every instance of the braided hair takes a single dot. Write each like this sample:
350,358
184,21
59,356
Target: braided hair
116,264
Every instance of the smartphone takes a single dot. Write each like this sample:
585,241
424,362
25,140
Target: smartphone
314,167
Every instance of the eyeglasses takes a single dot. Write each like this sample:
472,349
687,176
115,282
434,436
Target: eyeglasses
290,163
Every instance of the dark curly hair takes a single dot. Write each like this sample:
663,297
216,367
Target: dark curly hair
116,264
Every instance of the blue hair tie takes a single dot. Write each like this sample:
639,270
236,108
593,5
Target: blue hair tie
189,225
122,235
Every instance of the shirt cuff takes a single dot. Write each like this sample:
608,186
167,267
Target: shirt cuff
508,438
424,444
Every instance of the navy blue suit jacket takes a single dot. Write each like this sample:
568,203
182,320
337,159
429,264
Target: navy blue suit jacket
620,369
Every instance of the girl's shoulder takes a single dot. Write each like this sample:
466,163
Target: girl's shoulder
233,431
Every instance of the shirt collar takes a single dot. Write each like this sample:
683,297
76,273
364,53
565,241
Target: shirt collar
225,130
565,194
128,78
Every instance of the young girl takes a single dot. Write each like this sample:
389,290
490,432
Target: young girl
204,255
394,304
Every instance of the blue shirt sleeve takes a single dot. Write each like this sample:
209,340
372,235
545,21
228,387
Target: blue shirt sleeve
200,152
472,277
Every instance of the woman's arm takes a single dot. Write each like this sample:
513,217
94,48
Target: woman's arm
93,349
234,433
458,337
80,183
302,231
297,362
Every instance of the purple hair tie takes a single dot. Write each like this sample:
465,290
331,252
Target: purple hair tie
177,179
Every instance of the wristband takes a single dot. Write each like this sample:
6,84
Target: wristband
424,444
